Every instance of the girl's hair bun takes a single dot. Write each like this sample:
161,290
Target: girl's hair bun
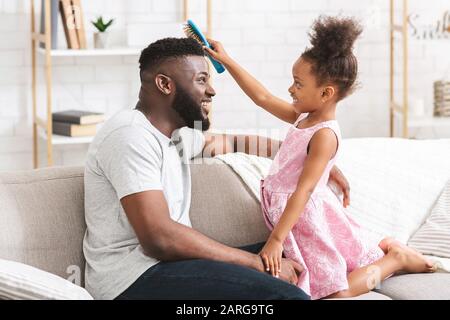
333,37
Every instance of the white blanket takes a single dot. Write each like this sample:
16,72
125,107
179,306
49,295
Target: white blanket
394,182
250,168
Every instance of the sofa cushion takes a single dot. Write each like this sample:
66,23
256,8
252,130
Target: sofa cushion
421,286
42,220
223,207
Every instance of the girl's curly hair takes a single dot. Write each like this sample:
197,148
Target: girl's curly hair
331,53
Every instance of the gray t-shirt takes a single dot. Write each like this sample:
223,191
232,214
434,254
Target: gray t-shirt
129,155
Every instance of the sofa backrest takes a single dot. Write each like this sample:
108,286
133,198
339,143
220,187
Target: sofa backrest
223,207
42,220
42,214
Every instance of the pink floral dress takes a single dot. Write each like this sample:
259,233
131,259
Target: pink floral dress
327,242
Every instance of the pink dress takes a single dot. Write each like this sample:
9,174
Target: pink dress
325,241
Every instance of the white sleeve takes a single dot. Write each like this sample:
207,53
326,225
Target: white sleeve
131,159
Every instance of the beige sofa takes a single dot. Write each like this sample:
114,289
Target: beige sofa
42,223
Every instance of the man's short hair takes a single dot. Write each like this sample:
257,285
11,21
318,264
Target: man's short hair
163,49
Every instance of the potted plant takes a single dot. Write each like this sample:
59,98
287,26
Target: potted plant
101,37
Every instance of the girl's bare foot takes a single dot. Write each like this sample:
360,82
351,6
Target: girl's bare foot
411,260
386,243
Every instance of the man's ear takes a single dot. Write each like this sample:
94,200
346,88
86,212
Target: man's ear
328,93
164,83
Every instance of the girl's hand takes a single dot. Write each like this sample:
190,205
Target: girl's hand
218,52
271,256
337,176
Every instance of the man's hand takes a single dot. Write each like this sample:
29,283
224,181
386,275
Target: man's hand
290,271
337,177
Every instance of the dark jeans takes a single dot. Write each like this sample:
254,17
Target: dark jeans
208,280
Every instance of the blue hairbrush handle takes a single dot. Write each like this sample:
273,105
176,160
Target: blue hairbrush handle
217,65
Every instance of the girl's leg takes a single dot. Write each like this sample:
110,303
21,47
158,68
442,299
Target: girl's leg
398,258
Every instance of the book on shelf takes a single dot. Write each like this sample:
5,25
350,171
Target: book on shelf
53,23
78,117
69,23
79,23
74,130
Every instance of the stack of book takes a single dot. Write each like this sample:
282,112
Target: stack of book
442,98
76,123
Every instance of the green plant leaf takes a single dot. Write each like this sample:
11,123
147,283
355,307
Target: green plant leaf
100,25
109,23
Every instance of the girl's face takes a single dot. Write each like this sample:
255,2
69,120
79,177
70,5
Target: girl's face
306,95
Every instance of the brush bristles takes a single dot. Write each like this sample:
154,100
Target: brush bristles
191,34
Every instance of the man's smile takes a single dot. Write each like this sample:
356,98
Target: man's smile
206,106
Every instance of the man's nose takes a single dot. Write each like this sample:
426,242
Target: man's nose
210,91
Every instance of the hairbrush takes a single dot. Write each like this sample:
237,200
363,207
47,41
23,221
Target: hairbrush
192,31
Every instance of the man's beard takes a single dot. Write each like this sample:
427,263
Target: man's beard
189,110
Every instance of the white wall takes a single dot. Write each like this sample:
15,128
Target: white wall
265,36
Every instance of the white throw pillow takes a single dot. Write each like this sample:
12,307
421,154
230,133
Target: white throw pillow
20,281
433,237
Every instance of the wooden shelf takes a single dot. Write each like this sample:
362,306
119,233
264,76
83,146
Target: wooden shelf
92,52
38,38
62,140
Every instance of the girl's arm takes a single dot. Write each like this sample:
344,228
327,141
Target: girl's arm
322,148
252,87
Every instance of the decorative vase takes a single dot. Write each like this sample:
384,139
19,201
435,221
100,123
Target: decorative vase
100,40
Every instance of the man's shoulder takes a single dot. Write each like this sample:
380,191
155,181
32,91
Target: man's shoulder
126,125
122,120
122,133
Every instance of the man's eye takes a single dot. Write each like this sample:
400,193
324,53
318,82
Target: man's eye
203,79
298,84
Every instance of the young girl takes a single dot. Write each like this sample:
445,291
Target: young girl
307,220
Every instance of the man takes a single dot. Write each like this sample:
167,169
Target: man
139,243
